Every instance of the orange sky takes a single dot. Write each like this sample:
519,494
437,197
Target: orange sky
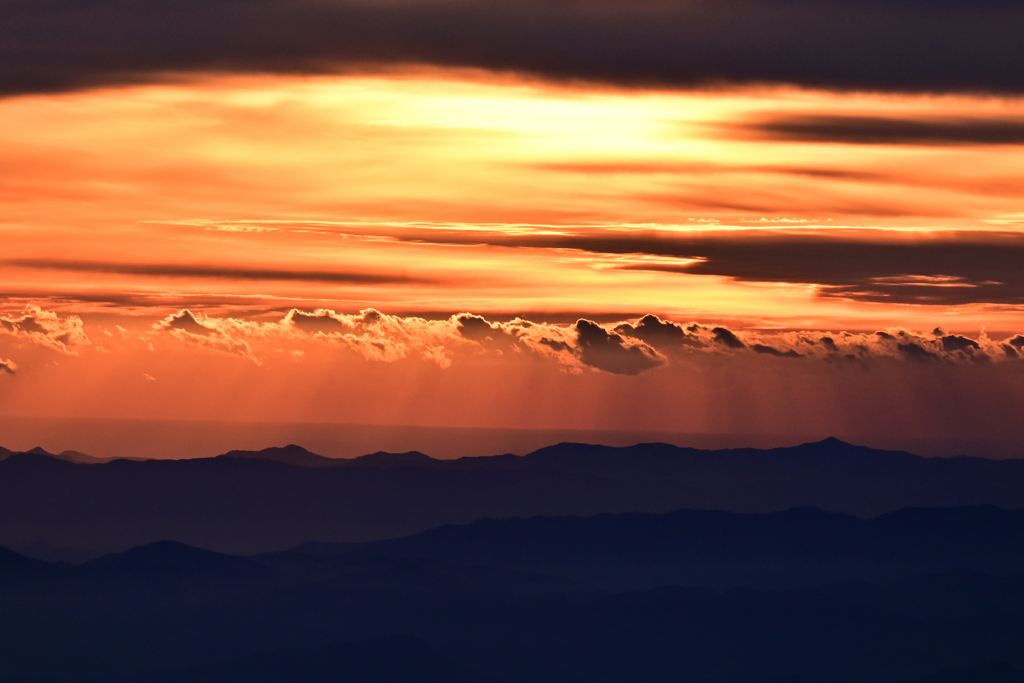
773,213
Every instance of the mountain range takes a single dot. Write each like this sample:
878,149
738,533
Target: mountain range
804,596
821,563
249,502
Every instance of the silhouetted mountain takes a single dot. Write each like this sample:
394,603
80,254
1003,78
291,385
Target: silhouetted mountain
13,565
382,459
800,547
254,502
70,456
167,559
299,456
78,625
83,458
290,455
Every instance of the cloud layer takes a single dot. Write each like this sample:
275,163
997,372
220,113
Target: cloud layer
938,267
627,348
213,272
919,45
875,130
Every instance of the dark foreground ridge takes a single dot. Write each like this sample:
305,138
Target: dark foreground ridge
259,501
916,596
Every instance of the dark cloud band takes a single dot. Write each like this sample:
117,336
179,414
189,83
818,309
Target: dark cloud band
871,130
920,45
948,268
217,272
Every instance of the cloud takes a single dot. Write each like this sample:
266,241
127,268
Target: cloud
772,351
378,336
944,268
954,342
624,348
916,351
476,327
222,334
943,45
8,366
186,321
320,320
47,329
388,338
892,344
608,351
217,272
873,130
727,338
659,333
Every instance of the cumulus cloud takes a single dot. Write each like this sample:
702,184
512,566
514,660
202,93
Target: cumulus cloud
671,339
954,342
320,320
727,338
222,334
625,348
916,351
772,351
664,340
378,336
476,327
8,366
660,334
611,352
187,322
46,328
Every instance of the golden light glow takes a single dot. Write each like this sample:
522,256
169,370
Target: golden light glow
360,175
432,193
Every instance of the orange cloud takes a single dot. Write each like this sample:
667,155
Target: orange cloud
627,348
468,369
47,329
262,194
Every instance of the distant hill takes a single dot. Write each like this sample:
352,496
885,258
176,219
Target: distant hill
82,458
720,550
69,456
288,455
300,457
252,502
920,595
799,548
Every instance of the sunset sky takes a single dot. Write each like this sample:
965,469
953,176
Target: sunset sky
757,217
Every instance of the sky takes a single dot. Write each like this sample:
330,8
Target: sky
755,217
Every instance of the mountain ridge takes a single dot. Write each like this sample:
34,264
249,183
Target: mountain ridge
907,596
259,501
